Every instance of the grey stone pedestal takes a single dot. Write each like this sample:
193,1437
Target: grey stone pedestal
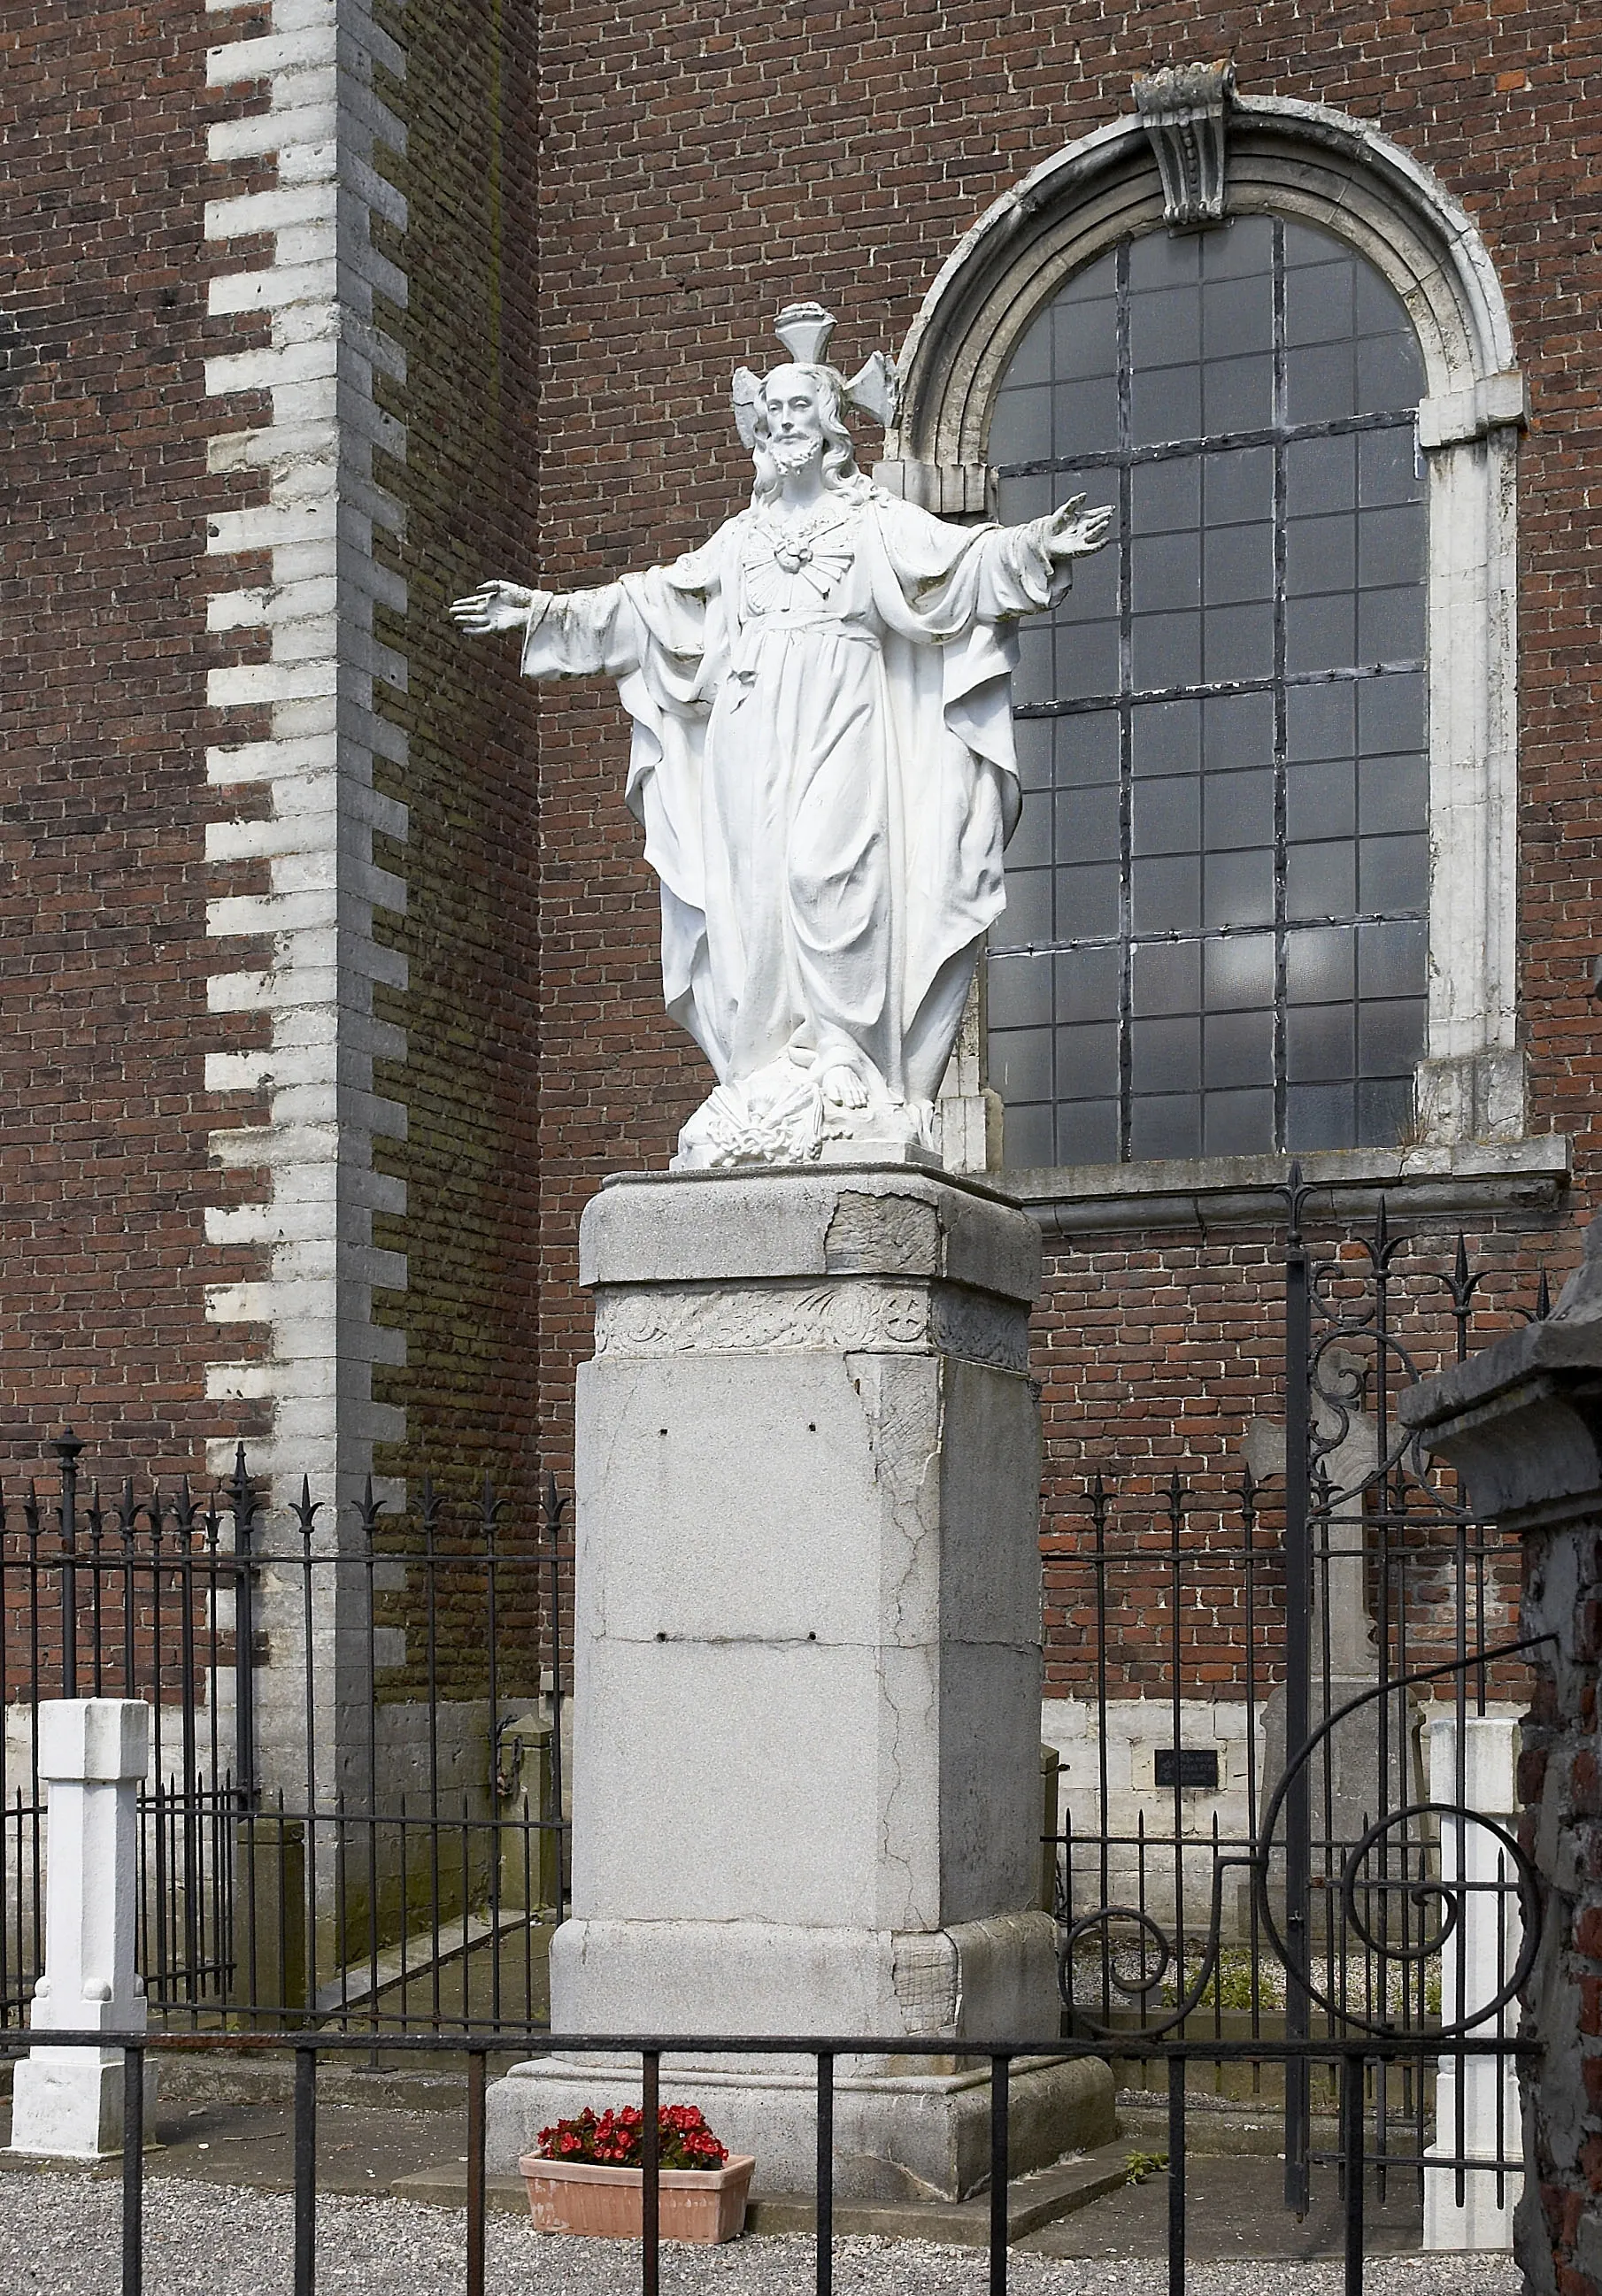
807,1670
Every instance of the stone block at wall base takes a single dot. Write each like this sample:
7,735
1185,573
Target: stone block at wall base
1521,1424
911,2135
1483,2222
743,1977
67,2104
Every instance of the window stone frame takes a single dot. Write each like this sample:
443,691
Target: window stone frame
1304,161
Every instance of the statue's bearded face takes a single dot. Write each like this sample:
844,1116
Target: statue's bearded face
795,431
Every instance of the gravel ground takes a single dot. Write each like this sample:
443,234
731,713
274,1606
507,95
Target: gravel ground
60,2233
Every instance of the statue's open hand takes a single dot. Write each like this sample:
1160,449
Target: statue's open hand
496,606
1073,531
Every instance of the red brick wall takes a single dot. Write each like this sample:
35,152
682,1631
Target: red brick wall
470,1080
703,165
1153,1357
697,167
104,1027
104,1168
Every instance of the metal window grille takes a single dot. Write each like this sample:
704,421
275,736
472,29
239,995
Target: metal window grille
1215,937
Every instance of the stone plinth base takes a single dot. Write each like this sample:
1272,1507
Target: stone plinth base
1477,1958
780,1976
1483,2222
911,2135
67,2104
1521,1424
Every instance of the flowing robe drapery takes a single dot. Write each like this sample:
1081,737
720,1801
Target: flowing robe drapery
822,764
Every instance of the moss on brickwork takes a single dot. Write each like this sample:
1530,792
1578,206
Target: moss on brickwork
470,938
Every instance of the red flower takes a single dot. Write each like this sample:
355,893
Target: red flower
616,2138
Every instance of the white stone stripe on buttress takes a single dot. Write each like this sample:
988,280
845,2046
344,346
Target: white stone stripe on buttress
322,131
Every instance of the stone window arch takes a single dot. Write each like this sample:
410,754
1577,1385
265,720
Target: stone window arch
1319,175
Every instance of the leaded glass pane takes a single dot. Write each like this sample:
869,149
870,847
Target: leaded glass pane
1215,935
1167,977
1029,1133
1087,1132
1239,802
1240,971
1165,1125
1237,1123
1167,814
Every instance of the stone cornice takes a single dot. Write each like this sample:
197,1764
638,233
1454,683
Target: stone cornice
1220,1191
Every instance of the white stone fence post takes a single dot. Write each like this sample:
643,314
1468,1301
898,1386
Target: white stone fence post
1481,1954
67,2102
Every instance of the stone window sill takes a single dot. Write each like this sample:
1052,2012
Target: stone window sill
1460,1182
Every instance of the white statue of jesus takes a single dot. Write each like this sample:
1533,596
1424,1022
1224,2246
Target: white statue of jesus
822,762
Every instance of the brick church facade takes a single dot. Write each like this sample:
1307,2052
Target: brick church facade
330,992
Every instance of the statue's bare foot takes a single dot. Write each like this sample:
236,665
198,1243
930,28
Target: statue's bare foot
844,1087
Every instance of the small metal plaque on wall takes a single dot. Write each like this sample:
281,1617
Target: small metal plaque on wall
1187,1766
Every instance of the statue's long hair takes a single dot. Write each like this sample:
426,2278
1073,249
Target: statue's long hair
840,470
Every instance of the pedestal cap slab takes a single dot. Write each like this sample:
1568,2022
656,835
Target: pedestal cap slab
755,1226
93,1739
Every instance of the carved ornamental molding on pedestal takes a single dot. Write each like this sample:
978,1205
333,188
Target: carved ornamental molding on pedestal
1185,109
866,1317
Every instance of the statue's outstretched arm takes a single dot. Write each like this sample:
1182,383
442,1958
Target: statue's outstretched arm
497,606
1016,570
563,633
607,631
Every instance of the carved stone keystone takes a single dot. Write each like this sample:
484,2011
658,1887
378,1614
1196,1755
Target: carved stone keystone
1185,111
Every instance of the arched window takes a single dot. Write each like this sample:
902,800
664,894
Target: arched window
1215,935
1263,899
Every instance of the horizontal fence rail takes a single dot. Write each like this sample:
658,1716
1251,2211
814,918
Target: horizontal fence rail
1353,2062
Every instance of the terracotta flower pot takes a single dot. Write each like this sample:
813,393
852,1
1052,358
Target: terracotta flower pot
699,2204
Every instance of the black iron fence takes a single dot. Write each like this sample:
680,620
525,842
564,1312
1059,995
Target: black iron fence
353,1829
1252,1856
1353,2063
355,1807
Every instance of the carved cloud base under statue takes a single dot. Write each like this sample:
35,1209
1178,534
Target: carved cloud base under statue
782,1115
808,1672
